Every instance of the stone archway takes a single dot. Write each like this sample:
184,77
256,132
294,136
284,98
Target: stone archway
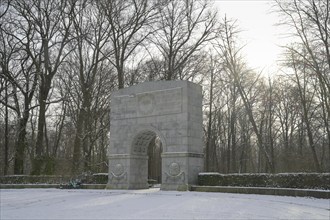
140,145
171,110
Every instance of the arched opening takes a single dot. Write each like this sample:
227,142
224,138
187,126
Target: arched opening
148,145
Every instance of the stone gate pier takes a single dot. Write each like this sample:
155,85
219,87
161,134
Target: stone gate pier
169,110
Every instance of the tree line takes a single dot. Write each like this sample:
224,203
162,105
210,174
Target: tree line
60,61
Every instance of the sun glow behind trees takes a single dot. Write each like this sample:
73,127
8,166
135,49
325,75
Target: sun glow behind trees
259,32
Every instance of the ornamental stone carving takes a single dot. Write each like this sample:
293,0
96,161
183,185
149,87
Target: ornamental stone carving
146,103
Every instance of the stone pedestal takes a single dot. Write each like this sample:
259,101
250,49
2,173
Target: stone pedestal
171,110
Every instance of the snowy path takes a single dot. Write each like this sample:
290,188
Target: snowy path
154,204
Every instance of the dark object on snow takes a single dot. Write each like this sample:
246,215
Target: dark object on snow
73,184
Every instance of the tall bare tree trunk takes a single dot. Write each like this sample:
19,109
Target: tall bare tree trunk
209,163
233,131
6,162
270,125
40,149
306,118
77,146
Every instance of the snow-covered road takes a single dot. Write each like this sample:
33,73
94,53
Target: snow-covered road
154,204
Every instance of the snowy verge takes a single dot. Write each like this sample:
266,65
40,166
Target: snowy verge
41,185
154,204
321,194
86,178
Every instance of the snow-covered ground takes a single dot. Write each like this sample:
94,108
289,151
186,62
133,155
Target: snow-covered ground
154,204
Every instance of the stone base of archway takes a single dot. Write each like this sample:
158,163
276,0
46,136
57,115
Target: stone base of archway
164,186
179,171
172,187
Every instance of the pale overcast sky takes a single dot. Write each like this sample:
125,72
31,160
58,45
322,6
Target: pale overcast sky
257,22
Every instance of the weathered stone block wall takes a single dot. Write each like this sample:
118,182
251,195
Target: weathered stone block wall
172,110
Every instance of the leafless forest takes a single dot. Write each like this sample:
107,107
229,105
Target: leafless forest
61,59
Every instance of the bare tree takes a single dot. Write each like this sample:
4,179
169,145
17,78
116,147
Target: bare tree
19,73
128,21
305,101
236,68
87,77
287,115
210,146
311,53
310,22
51,21
4,7
182,28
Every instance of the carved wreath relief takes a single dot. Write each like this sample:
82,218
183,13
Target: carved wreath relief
146,104
174,169
175,174
118,171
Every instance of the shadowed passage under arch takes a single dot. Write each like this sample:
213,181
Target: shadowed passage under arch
148,143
